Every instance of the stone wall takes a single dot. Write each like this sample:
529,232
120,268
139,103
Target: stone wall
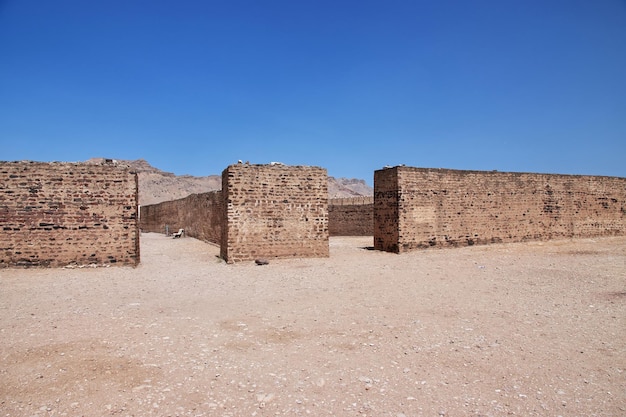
274,211
164,217
199,214
386,210
352,216
419,208
56,214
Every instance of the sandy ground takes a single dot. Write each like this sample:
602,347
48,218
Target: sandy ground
529,329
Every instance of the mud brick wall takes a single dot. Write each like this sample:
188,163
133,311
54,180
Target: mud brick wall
386,210
161,217
199,214
274,211
419,208
352,216
56,214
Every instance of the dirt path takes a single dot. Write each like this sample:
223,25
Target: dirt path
529,329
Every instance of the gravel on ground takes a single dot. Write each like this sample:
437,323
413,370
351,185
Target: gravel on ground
522,329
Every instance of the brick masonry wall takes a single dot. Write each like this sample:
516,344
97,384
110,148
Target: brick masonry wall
56,214
161,217
386,210
352,216
199,214
274,211
419,208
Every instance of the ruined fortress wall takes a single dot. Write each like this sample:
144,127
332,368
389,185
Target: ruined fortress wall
274,211
418,208
386,210
202,218
161,217
352,216
199,214
56,214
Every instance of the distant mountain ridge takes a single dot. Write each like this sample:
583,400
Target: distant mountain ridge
156,186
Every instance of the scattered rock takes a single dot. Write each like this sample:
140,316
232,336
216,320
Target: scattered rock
296,339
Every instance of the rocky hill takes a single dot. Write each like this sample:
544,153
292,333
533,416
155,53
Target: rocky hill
348,187
156,186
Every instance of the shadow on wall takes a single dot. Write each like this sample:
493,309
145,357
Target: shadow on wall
266,206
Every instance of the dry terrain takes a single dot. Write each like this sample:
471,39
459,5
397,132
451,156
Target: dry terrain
156,186
525,329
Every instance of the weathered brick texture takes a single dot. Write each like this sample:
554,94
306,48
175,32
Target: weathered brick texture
274,211
352,216
419,208
199,214
55,214
386,210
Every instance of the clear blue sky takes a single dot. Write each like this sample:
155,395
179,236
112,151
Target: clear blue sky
193,86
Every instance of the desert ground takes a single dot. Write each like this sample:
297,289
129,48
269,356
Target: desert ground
524,329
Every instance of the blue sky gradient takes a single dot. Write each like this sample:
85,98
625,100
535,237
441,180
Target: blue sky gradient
193,86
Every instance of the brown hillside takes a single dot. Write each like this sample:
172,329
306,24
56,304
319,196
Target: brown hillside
156,186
